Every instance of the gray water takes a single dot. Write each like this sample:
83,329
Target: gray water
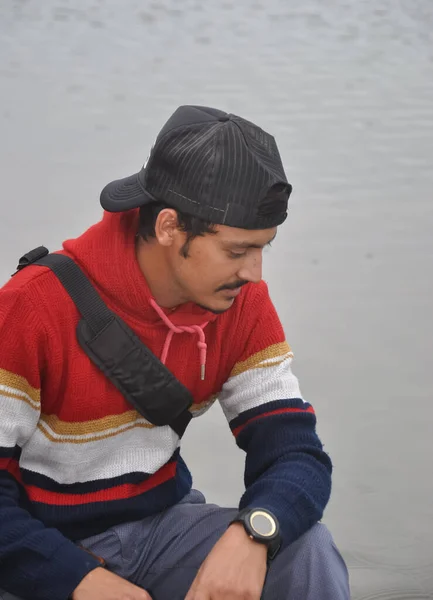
346,86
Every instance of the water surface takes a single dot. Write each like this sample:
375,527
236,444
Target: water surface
347,89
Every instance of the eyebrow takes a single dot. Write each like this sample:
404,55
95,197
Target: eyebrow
247,244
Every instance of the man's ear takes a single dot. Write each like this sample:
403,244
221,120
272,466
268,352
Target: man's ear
166,227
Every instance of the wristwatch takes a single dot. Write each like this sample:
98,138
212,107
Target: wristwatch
262,527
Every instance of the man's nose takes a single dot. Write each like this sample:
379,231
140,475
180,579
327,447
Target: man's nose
251,270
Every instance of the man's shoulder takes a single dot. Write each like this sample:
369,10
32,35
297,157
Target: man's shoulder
33,289
253,298
257,291
33,278
247,309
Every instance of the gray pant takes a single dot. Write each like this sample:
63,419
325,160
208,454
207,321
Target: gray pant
163,553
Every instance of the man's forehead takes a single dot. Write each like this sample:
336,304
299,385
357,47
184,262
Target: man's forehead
245,238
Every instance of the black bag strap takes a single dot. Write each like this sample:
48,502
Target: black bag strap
109,342
87,300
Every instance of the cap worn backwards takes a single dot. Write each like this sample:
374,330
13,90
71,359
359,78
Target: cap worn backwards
209,164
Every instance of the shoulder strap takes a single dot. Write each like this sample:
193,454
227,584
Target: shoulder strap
109,342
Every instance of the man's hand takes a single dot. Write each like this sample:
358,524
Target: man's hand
235,569
100,584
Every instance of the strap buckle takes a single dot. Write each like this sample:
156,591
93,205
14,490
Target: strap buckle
31,257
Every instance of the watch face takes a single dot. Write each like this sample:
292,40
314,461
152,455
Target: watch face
262,523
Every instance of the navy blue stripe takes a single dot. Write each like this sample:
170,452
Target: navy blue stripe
78,522
46,483
265,408
10,452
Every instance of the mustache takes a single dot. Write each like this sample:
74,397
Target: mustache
231,286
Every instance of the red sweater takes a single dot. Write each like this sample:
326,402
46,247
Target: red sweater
74,455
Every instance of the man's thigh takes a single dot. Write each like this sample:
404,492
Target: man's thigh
162,554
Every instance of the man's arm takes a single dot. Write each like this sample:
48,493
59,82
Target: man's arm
287,470
35,562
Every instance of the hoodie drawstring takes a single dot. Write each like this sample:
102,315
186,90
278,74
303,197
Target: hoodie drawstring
198,329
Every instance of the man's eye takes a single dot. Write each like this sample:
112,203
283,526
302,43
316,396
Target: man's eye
237,254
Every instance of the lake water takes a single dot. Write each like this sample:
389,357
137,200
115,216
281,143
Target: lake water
346,86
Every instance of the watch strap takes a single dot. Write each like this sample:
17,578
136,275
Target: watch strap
273,545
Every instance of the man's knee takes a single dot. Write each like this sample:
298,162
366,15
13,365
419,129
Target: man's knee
317,540
311,568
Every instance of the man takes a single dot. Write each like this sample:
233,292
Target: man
84,477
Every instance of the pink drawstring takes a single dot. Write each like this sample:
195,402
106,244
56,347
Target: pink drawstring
198,329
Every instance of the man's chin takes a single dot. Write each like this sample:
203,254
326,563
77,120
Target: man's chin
218,308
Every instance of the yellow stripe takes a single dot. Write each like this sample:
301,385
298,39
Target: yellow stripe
278,351
67,428
210,400
274,363
101,428
21,384
95,438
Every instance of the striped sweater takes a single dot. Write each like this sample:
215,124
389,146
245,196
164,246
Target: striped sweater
75,458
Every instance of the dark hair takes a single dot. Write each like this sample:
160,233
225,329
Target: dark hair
275,201
192,226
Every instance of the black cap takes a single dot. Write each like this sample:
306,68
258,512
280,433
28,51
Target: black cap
212,165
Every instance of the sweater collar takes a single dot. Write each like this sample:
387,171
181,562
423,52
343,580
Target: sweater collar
106,252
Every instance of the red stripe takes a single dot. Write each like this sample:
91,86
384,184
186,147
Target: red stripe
120,492
12,466
280,411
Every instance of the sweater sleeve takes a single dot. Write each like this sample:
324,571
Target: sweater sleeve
36,562
286,468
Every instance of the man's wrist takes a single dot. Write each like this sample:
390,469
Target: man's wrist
239,530
100,560
262,527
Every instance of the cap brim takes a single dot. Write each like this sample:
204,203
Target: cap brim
124,194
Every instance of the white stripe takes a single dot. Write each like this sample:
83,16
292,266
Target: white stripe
21,394
138,449
258,386
18,421
276,359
